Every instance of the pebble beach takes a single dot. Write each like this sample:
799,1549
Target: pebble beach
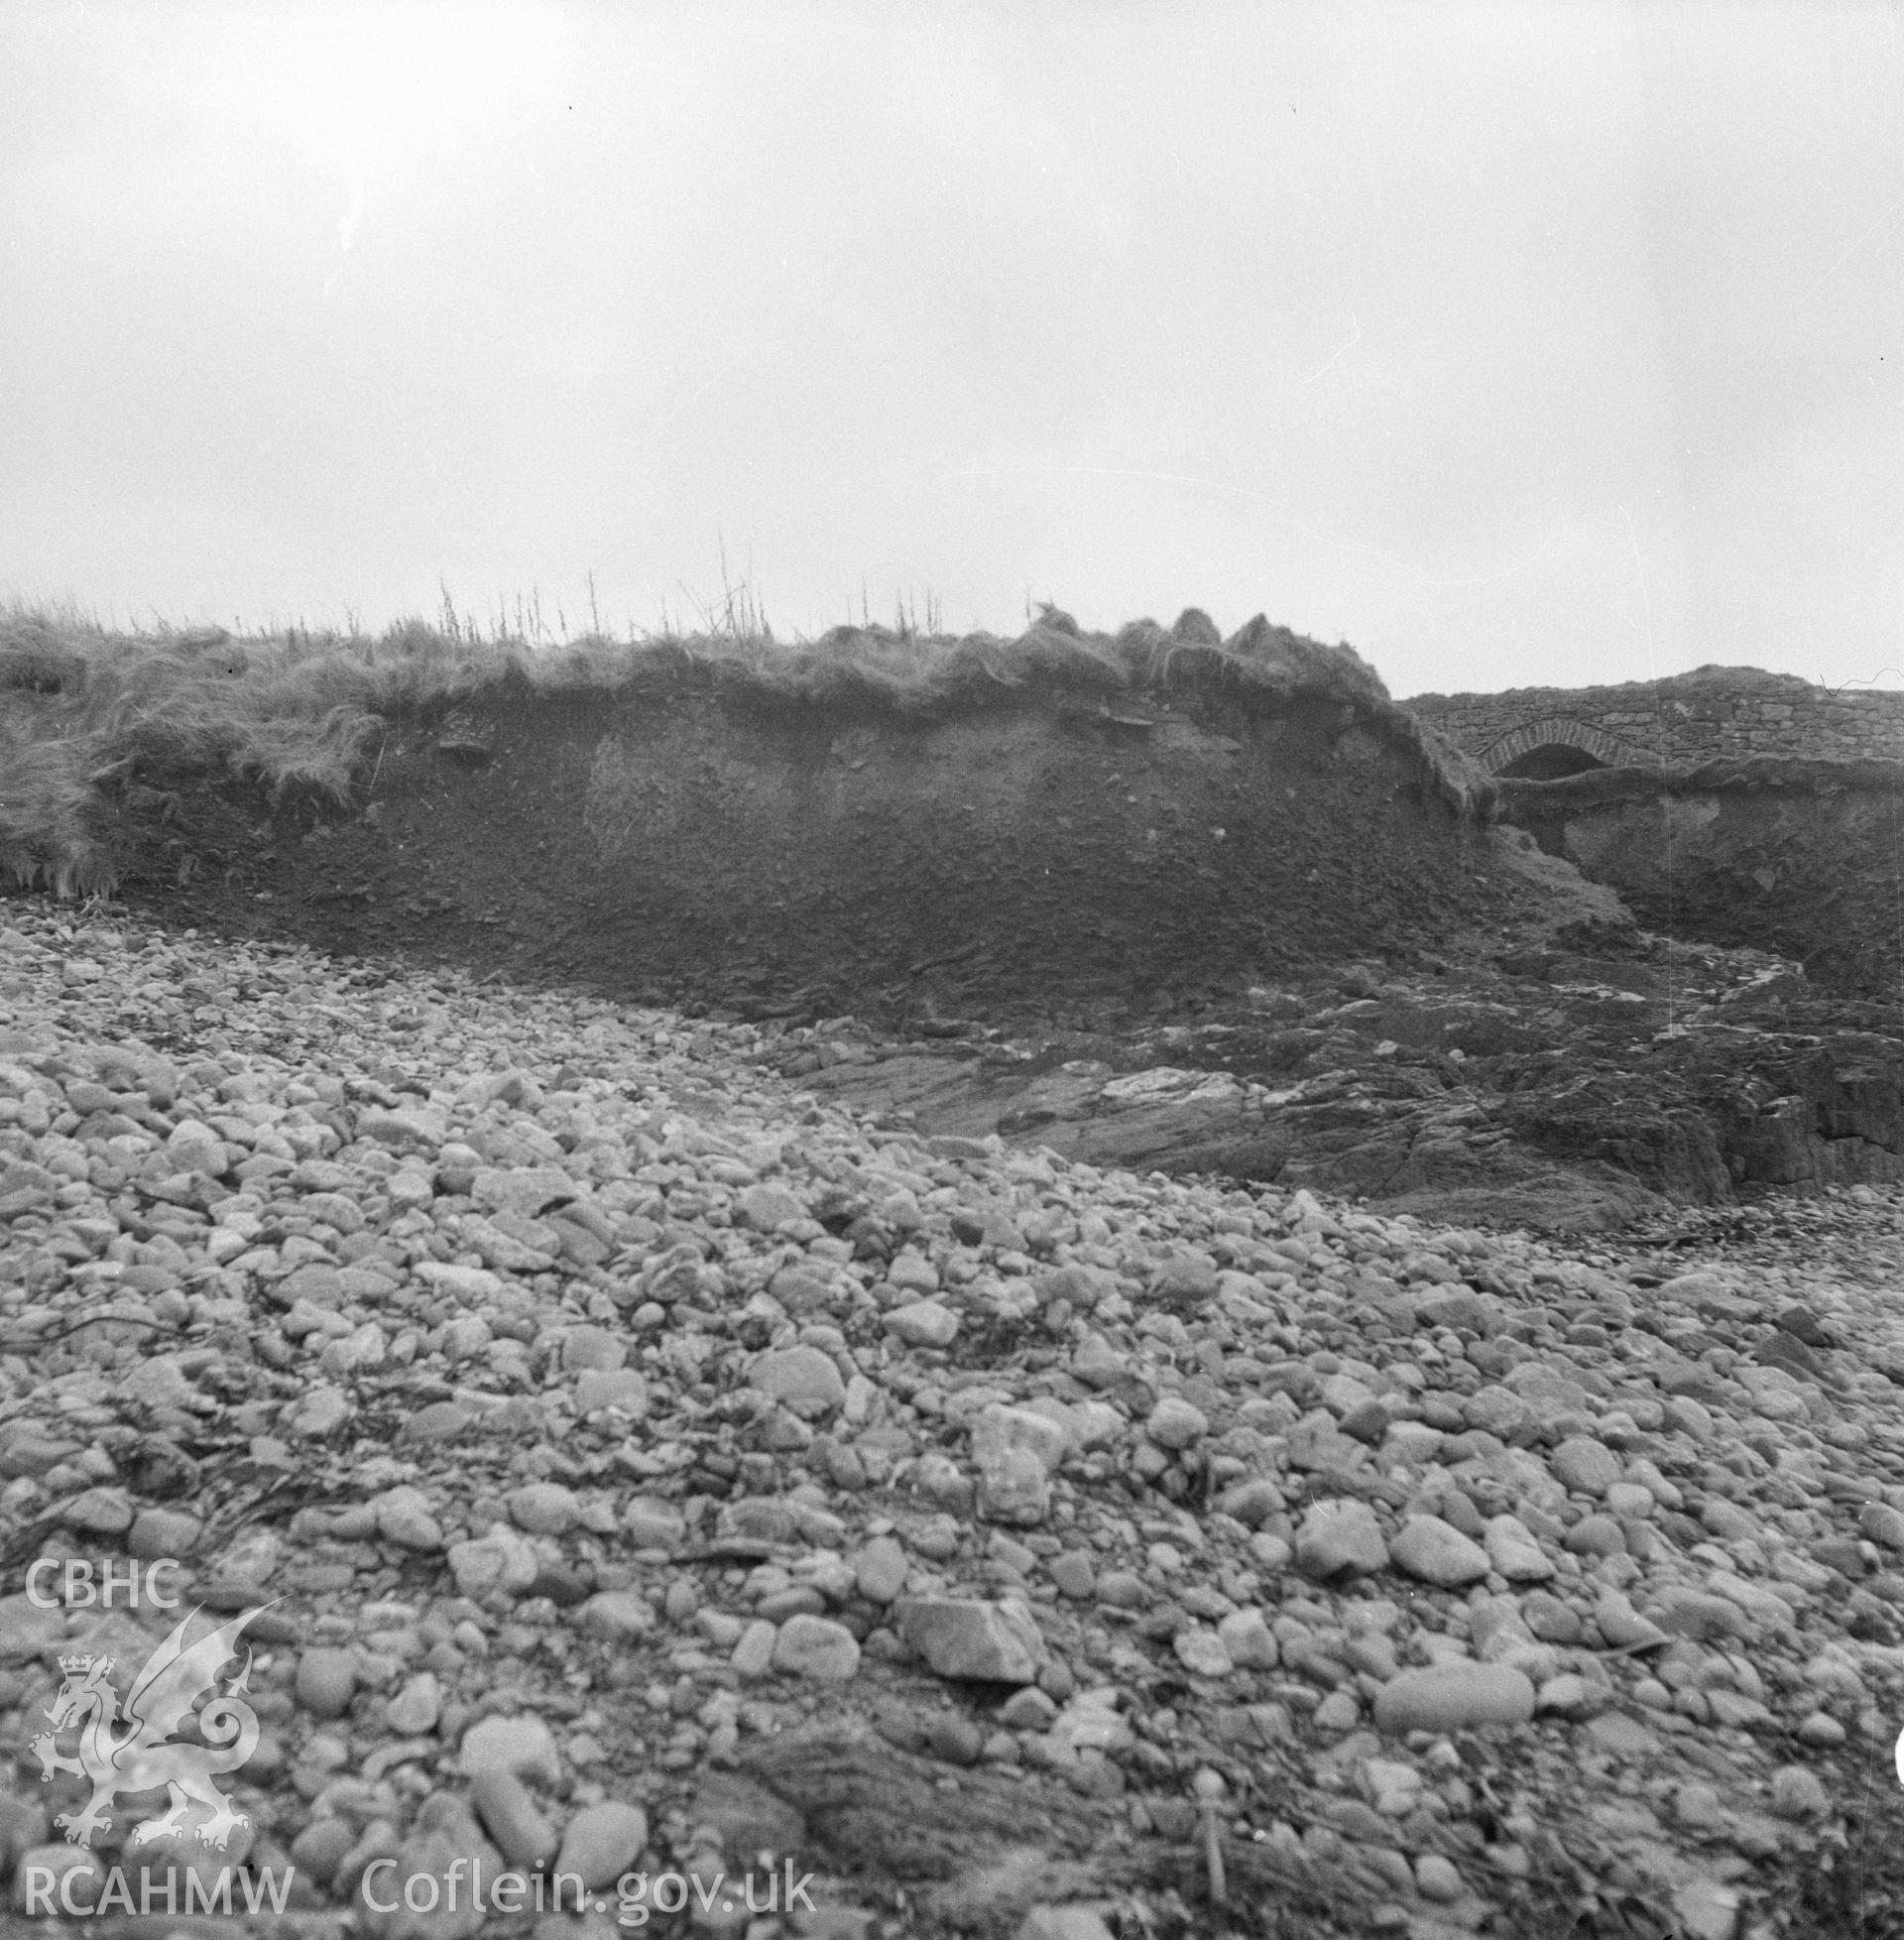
590,1412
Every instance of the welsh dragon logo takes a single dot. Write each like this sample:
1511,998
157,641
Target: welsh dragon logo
140,1759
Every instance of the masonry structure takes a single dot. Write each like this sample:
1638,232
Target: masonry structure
1715,713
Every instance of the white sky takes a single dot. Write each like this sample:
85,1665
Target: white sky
1543,344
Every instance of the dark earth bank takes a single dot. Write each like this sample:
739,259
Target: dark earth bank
689,845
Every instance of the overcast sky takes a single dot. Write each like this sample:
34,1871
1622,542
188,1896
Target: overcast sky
1543,344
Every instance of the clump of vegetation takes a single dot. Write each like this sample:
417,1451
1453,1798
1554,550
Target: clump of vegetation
304,712
46,792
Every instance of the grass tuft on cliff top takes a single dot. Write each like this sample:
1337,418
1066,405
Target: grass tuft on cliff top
83,707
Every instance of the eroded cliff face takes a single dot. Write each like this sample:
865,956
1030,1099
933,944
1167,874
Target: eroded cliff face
1798,856
1048,852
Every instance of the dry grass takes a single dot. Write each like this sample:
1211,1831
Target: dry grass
83,707
45,790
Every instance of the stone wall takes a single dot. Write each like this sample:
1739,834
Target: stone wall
1713,714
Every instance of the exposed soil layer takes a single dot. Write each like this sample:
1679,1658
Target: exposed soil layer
1802,857
1049,853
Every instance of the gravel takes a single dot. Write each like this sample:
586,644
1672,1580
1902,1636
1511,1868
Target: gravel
591,1406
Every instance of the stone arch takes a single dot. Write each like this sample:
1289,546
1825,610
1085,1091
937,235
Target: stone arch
1560,731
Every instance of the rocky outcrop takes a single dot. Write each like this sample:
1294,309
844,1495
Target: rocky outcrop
1552,1089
